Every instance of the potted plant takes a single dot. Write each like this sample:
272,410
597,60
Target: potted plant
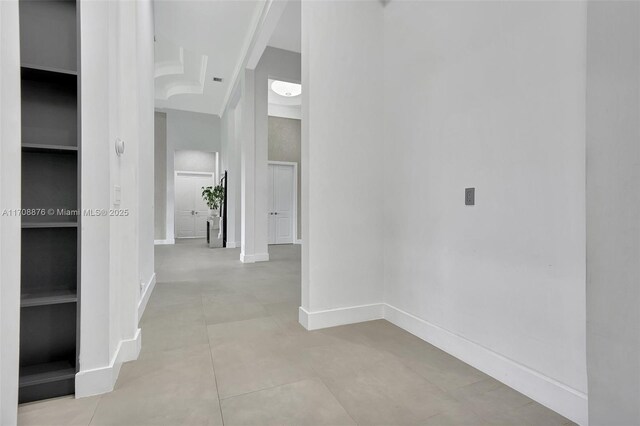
213,196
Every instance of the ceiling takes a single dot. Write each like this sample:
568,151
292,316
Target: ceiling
195,42
283,106
199,40
287,34
275,98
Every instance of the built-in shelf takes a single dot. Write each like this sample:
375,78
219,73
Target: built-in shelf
48,69
49,182
46,373
48,298
49,108
34,147
50,236
49,224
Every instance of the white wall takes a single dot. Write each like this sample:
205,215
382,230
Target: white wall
490,95
160,174
281,65
475,94
285,111
10,153
146,163
196,161
342,157
187,131
234,169
124,264
613,212
226,146
248,170
116,39
97,146
230,162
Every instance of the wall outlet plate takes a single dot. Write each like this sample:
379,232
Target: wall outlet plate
469,196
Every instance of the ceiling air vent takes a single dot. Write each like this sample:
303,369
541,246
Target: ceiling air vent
217,79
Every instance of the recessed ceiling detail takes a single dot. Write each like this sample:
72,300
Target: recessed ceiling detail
178,71
284,88
283,105
195,42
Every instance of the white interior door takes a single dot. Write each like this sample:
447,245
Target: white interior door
281,203
191,210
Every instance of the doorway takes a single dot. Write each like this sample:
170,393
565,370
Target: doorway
282,220
191,211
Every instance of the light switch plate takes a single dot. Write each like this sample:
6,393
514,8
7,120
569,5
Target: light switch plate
469,196
116,195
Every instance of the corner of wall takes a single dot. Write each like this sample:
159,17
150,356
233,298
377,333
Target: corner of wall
316,320
146,294
103,379
10,171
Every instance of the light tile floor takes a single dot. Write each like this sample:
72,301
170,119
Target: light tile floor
221,345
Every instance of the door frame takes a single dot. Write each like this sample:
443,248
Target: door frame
175,205
295,195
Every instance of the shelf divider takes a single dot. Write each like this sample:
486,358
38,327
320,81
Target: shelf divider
43,147
32,225
46,373
48,69
48,298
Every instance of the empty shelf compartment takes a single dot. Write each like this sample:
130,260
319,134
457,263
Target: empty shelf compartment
46,373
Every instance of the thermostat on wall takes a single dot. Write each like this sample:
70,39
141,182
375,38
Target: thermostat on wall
119,147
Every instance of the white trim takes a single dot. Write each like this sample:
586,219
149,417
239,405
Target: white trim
253,258
549,392
10,166
340,316
557,396
292,112
298,241
187,172
102,380
294,223
232,244
164,242
146,294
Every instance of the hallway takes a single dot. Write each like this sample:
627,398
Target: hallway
221,344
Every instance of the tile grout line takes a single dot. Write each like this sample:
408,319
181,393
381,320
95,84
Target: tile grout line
338,401
93,414
268,388
213,365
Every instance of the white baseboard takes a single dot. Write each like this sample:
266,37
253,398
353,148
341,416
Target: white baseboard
252,258
232,244
163,242
298,242
102,380
557,396
146,293
340,316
